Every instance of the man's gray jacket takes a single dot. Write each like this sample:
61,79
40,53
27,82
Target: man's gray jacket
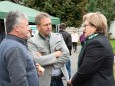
48,60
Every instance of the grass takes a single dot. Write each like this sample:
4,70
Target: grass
113,44
114,70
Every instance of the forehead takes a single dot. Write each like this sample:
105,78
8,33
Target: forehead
86,22
23,21
45,20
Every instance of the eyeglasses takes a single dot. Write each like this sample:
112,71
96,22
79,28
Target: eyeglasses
85,25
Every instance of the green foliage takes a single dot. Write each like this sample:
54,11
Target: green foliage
69,11
104,6
72,11
114,70
112,41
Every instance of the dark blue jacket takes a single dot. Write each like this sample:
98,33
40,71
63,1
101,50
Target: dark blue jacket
16,64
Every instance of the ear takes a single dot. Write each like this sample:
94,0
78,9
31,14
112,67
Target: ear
16,28
38,27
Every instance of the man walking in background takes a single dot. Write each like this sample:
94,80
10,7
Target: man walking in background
68,41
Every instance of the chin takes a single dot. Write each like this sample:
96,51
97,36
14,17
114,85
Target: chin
48,33
85,35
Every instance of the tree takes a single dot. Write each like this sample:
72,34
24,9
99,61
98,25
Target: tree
15,1
104,6
69,11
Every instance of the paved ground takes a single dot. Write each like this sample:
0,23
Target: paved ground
74,59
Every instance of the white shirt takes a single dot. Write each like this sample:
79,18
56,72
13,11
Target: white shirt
75,37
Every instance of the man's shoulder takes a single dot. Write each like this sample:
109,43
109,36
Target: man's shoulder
11,44
55,34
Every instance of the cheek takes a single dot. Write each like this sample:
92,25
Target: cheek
87,32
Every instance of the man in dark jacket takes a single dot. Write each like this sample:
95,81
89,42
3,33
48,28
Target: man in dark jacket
68,41
16,65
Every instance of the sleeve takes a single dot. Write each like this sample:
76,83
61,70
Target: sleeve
50,58
42,60
69,41
16,65
65,55
93,58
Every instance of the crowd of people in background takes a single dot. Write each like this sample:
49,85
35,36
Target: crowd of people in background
43,59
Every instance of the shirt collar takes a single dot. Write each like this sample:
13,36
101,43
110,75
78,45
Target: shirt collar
16,38
44,37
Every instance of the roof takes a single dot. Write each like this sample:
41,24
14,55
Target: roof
7,6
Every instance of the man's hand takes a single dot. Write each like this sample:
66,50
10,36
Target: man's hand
38,54
69,83
58,54
40,69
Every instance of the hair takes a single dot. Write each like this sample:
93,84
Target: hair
62,26
41,16
97,20
13,18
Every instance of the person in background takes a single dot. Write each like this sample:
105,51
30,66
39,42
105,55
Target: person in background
16,65
68,41
75,39
82,39
50,51
95,63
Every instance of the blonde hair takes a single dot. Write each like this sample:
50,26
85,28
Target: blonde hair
41,16
97,20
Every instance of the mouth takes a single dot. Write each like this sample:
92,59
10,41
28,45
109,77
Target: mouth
48,30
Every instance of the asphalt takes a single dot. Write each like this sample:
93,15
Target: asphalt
74,60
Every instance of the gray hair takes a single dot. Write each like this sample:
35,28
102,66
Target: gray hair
13,18
41,16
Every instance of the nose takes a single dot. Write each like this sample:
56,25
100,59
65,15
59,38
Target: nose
29,28
48,26
83,29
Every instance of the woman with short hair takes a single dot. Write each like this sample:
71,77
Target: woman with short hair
95,63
